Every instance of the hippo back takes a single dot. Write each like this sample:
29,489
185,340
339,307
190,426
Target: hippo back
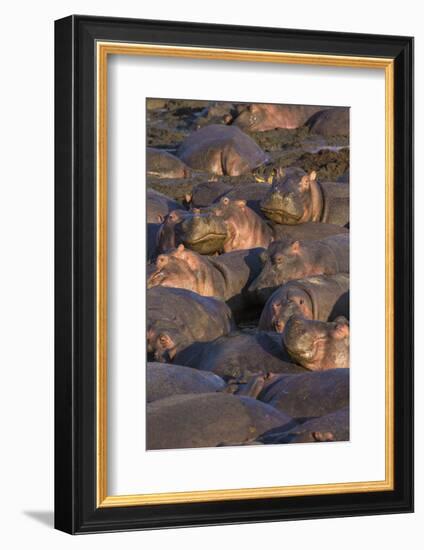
163,380
309,395
216,137
208,420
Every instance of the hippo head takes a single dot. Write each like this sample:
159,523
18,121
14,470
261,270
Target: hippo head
317,345
282,262
250,119
295,302
292,199
204,232
173,270
162,343
166,234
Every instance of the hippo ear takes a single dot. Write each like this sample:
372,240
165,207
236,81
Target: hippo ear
253,108
161,260
180,248
166,341
305,183
313,175
188,197
341,329
160,218
295,247
240,203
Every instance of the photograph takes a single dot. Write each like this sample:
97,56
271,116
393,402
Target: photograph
247,270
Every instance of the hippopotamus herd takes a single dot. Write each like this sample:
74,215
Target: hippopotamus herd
247,273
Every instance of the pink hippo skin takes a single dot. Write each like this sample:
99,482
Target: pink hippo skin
224,276
260,117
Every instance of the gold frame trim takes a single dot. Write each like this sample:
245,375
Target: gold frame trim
103,49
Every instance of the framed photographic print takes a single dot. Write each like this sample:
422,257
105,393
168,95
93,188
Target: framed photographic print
234,274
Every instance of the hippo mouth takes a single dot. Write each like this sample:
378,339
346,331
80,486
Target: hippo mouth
205,238
310,353
280,216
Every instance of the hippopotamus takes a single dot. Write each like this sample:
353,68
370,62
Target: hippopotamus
298,198
208,193
308,395
209,420
285,261
330,122
240,356
317,345
176,318
166,238
260,117
231,225
226,276
161,164
322,298
330,427
164,380
158,206
221,150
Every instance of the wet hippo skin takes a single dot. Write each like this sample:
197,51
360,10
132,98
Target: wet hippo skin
240,355
321,297
163,380
330,122
177,317
260,117
208,420
317,345
284,262
221,150
330,427
230,225
226,276
308,395
162,164
298,198
158,206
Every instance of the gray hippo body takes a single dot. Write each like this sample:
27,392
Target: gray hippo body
260,117
331,427
158,206
221,150
209,420
308,395
164,380
161,164
321,298
176,318
330,122
240,356
285,261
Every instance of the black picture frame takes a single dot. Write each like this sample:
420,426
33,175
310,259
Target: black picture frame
76,510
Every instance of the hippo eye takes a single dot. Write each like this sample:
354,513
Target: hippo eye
278,259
